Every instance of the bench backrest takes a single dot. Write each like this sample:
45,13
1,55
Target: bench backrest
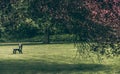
20,46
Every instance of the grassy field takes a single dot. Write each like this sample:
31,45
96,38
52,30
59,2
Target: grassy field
52,59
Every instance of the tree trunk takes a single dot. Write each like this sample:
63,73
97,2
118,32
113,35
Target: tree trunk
46,36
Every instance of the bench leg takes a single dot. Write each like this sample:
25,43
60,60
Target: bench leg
20,51
14,52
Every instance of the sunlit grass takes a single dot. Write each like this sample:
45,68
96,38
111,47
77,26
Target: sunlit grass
52,59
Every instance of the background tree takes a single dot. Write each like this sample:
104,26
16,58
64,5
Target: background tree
15,20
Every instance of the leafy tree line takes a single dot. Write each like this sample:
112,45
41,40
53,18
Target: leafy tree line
19,19
60,16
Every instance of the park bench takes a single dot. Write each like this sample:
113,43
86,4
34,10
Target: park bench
18,49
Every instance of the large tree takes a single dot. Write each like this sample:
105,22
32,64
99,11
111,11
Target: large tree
50,15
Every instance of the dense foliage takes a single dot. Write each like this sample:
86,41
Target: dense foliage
88,20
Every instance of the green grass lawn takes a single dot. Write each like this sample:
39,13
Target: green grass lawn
52,59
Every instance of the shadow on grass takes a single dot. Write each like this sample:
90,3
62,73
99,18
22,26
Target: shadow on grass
28,67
